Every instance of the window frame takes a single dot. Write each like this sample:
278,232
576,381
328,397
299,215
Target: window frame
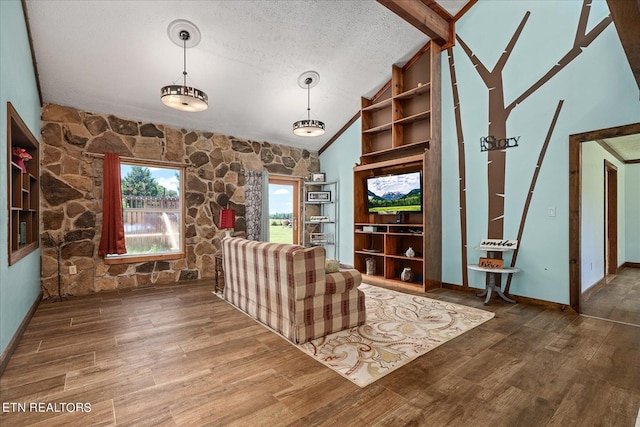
135,258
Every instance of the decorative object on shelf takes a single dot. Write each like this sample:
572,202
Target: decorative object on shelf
308,127
318,177
320,238
370,264
490,263
406,275
227,221
318,218
21,157
183,97
22,233
319,196
410,253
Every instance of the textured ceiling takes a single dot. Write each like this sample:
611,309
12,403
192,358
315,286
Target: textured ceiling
114,56
627,147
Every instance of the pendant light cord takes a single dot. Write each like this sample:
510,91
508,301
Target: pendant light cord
184,36
308,82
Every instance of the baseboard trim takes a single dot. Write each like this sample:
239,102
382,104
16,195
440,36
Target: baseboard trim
518,298
631,265
13,344
593,289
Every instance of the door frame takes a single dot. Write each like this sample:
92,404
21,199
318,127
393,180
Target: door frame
575,188
297,209
611,218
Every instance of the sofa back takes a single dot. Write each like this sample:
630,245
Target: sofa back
266,279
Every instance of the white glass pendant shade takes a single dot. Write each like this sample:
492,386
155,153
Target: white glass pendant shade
184,98
308,128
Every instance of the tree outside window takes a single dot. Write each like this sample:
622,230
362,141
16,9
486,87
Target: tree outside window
152,210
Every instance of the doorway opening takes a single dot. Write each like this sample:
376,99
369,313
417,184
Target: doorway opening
284,209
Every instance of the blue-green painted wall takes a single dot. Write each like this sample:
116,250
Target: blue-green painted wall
338,162
598,90
20,283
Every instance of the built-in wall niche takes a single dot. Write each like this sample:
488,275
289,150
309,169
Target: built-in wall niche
23,171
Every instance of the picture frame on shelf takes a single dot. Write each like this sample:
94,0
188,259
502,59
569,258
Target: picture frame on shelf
318,177
319,196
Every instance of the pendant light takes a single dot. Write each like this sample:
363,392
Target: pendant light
183,97
308,127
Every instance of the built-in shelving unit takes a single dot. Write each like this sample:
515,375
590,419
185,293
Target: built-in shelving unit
320,216
401,133
23,188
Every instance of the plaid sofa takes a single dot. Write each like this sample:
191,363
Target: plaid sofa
286,288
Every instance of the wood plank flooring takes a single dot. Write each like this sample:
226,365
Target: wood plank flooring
178,355
618,299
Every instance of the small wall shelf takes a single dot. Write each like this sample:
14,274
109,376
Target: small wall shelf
23,189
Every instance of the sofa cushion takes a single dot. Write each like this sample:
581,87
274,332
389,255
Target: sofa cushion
331,265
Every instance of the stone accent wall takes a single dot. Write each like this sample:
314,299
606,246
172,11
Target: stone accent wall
71,200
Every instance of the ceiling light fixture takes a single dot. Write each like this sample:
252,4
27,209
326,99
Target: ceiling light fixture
308,127
183,97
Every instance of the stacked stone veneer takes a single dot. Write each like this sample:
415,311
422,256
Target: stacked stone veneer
71,201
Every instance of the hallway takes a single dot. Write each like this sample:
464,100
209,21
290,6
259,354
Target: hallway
618,300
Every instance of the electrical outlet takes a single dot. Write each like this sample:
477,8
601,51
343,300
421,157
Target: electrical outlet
73,269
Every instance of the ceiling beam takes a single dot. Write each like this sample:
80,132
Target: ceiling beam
425,17
626,18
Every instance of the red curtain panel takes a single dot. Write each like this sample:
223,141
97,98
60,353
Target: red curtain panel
112,239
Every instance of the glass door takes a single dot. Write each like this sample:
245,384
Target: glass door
284,209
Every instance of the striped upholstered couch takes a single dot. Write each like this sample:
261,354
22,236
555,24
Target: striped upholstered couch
286,288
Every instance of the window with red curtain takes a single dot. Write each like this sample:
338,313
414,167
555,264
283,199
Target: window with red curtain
112,238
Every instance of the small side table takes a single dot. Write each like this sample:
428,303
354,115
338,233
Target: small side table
492,286
493,247
218,276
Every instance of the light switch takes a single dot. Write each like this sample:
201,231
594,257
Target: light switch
551,212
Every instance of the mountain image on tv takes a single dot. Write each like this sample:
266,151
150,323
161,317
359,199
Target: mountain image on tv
395,193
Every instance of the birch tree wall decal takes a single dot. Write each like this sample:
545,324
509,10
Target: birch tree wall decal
532,186
462,180
499,110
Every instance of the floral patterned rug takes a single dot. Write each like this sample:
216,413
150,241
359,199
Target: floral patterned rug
400,327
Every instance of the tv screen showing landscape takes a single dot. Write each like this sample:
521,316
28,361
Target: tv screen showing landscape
395,193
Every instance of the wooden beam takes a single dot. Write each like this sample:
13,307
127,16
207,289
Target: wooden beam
626,18
421,16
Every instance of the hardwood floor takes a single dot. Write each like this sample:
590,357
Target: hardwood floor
618,299
179,355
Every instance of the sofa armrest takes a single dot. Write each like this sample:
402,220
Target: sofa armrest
342,281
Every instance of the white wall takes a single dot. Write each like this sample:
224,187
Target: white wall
632,212
20,283
338,162
592,227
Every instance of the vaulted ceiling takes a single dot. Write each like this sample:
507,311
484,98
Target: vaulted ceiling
114,56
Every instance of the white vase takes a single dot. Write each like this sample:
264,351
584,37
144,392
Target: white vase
406,275
410,252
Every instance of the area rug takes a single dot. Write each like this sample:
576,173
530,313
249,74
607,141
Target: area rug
400,327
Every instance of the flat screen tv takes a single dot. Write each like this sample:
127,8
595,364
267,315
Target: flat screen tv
392,194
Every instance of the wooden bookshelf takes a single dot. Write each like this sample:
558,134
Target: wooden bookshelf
23,189
401,133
